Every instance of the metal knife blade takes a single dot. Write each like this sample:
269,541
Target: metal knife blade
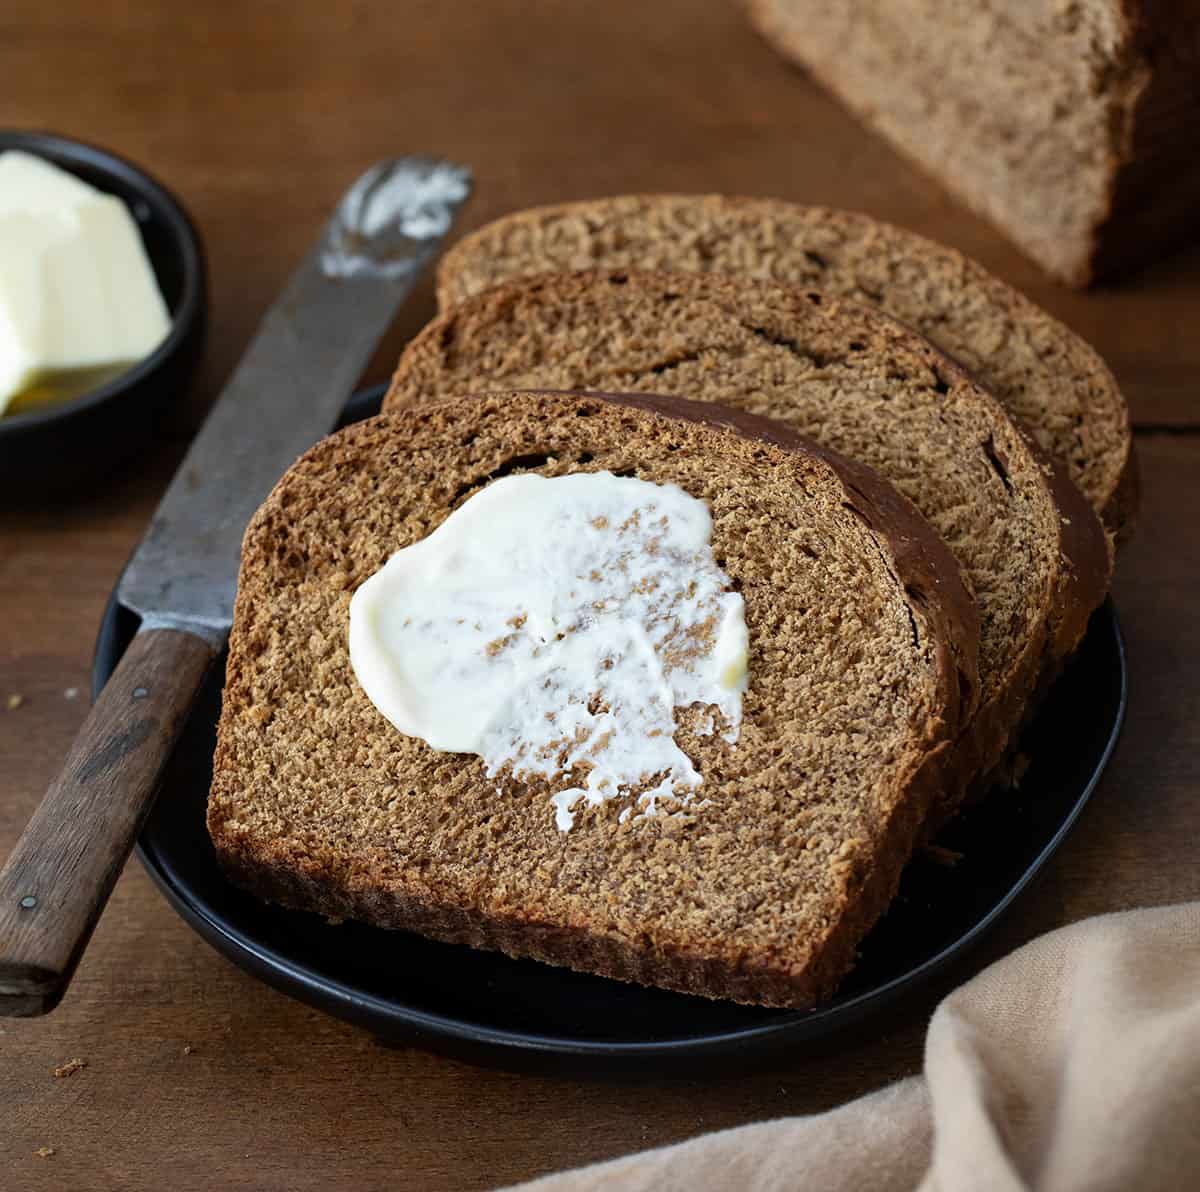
289,388
283,396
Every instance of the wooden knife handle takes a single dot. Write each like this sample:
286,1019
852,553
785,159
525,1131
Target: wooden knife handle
58,878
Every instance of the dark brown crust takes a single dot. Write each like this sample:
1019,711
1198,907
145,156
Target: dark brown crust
926,566
1083,583
1154,186
1121,513
365,888
1087,553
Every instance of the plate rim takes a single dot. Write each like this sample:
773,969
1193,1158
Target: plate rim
343,1000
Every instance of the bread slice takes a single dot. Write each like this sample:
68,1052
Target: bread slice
1071,126
852,379
855,613
1044,374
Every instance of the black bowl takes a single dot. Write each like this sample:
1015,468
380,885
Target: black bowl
72,444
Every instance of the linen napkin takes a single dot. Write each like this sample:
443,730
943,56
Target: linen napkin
1073,1063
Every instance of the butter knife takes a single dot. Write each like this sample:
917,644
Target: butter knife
286,393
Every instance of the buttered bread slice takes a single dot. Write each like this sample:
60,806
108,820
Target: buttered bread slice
847,376
751,876
1044,374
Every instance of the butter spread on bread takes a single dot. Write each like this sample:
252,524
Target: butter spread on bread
862,644
552,626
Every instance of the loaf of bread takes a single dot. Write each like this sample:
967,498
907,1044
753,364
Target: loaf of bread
862,638
1045,375
1072,125
853,380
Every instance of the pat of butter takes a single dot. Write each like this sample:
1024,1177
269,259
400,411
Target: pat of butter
77,291
553,626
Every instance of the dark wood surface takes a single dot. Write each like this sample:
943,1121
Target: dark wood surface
257,115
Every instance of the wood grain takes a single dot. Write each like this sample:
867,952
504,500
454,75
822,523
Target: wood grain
58,877
258,115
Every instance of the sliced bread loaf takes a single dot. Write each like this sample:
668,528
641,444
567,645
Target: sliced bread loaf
850,378
1043,373
855,612
1071,126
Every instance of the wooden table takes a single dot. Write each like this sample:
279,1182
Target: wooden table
199,1077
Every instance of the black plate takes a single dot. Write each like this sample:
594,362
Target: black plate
453,998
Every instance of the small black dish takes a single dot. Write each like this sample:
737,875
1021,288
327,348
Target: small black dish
520,1014
70,445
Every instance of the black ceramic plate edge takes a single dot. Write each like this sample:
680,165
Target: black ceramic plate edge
395,1021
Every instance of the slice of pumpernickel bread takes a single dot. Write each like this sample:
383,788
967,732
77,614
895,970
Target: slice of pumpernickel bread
855,614
852,379
1044,374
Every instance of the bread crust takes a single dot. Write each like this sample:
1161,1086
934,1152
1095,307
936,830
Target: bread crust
923,560
310,875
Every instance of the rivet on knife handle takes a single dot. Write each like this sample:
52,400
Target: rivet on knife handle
286,393
58,878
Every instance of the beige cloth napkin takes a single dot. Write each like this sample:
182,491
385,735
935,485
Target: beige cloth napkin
1072,1064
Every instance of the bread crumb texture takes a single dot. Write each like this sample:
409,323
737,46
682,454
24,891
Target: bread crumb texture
1070,125
1053,382
849,377
761,896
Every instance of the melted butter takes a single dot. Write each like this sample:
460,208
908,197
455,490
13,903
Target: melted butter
51,388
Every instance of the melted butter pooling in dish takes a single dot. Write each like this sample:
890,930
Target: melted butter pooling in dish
553,626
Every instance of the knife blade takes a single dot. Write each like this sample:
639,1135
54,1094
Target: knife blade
283,396
289,388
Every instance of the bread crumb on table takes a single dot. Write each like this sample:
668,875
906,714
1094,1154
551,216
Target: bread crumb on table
188,1049
44,1152
70,1067
15,701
